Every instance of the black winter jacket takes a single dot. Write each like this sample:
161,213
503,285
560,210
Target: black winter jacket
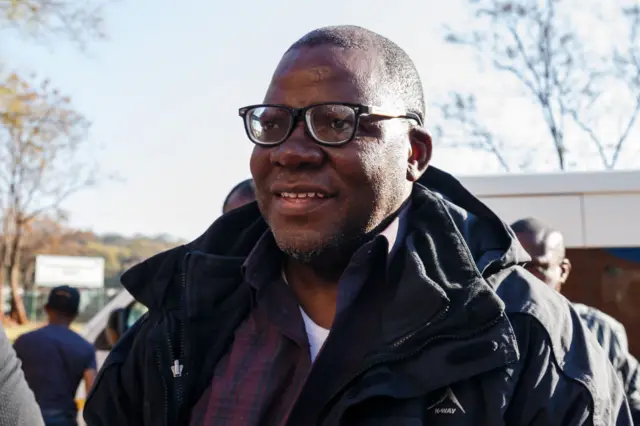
612,336
468,337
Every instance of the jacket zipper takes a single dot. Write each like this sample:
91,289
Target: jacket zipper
403,340
177,366
179,362
164,382
408,336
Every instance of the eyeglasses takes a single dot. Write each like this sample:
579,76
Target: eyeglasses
330,124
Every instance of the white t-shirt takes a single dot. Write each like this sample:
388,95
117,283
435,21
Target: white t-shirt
316,335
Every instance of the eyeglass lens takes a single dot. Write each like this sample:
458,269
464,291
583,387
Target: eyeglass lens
330,124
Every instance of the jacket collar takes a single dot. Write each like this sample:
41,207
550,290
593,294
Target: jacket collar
264,262
440,283
492,243
224,246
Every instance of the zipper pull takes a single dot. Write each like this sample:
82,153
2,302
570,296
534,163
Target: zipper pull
176,368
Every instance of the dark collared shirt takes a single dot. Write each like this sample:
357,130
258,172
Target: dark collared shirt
258,381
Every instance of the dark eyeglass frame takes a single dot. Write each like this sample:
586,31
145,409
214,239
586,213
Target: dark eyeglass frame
302,113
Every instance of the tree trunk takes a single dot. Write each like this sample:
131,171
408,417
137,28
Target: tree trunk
18,312
3,276
3,280
28,272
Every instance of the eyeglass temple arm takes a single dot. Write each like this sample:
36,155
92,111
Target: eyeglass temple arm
392,114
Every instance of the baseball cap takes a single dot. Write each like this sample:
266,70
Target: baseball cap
64,299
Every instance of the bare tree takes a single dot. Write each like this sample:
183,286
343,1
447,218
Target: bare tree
461,113
40,134
626,61
78,21
40,166
536,44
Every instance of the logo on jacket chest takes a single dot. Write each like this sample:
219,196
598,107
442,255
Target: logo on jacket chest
448,404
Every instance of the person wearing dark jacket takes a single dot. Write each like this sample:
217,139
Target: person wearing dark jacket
362,288
548,262
18,406
241,194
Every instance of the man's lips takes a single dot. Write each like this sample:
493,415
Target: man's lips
301,195
301,190
300,200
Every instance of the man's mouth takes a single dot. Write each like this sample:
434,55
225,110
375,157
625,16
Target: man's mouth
301,200
301,195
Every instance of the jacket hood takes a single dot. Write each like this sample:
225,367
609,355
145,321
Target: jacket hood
491,242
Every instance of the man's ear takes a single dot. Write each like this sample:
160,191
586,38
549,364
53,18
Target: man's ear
419,154
565,266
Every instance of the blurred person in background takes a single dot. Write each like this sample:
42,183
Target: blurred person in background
55,359
18,406
549,263
241,194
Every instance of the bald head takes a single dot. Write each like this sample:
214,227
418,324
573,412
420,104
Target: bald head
540,236
241,194
546,247
395,72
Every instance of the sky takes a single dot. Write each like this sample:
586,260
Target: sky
163,92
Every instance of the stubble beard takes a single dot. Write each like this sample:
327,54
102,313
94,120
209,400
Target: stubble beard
310,252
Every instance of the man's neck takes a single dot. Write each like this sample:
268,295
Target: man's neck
316,292
315,284
59,322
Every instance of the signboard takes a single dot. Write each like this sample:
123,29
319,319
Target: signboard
76,271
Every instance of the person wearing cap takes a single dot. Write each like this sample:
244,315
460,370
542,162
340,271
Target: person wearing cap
55,359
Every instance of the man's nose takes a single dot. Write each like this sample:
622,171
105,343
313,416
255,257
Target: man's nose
298,151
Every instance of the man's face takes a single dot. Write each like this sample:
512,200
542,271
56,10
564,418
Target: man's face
547,261
360,183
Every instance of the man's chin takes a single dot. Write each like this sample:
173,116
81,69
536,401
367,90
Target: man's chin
302,251
308,246
321,250
303,257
